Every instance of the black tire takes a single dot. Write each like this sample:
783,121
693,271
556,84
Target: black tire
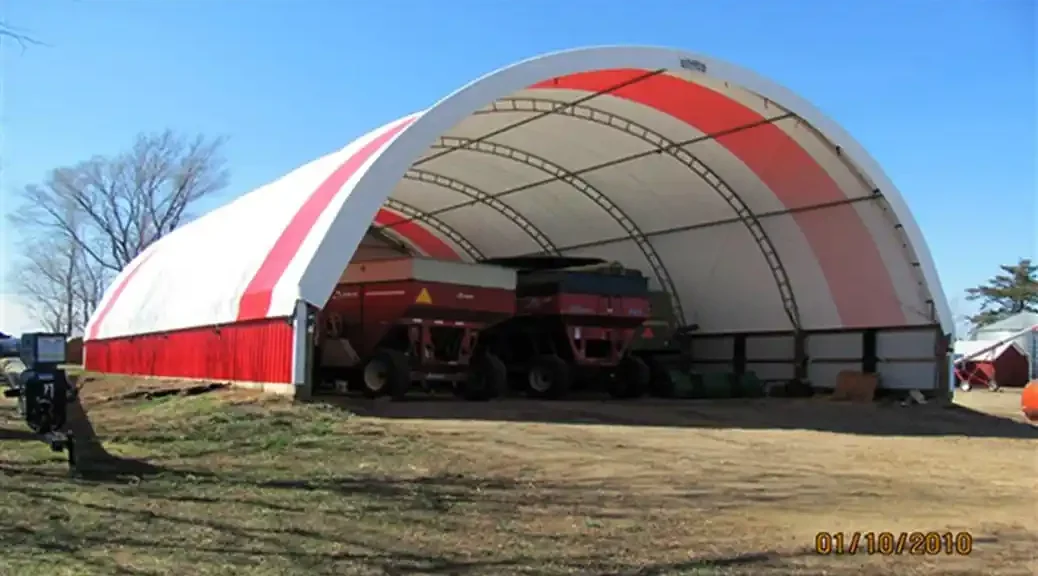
631,378
388,372
549,377
487,379
661,385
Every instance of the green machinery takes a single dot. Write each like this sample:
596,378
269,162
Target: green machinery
663,344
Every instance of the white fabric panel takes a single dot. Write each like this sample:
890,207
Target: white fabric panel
553,207
726,284
655,191
491,174
660,193
814,300
564,214
757,196
288,289
895,251
908,282
196,276
479,125
490,231
426,196
486,227
849,181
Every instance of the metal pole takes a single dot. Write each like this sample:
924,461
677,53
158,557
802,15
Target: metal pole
986,349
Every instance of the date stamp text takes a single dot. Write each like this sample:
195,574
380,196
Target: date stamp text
894,543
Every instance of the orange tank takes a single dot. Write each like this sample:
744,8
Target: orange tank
1029,401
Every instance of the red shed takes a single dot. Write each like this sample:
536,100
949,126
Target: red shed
1006,364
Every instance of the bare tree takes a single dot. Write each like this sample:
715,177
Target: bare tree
129,201
47,275
91,281
19,36
86,222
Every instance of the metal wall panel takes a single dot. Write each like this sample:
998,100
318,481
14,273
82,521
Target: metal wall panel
834,345
773,370
909,375
712,348
781,347
913,344
259,351
823,374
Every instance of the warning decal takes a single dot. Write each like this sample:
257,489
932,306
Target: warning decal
647,333
423,297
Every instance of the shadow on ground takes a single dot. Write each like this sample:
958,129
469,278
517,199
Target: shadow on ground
819,414
322,548
92,460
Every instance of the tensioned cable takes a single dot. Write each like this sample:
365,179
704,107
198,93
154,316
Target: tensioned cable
525,121
603,165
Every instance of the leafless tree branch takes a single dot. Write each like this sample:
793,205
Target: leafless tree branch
23,39
86,222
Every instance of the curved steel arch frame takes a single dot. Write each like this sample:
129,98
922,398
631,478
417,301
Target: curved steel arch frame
410,212
487,199
685,158
374,187
562,174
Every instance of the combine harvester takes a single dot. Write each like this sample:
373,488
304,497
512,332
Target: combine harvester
575,321
396,324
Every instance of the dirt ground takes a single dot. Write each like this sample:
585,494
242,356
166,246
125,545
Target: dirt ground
229,482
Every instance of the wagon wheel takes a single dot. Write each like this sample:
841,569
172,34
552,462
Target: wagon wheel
487,378
549,377
630,379
388,372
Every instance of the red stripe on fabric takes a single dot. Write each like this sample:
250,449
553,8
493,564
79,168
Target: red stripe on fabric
103,313
255,302
426,241
859,281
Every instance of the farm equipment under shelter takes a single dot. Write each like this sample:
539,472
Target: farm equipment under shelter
392,324
575,320
659,343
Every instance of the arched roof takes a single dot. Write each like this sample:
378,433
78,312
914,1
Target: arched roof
746,204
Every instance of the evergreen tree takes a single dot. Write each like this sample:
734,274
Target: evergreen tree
1013,291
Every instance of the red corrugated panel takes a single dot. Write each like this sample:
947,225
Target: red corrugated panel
258,351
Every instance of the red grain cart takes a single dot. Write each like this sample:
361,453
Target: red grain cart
392,324
574,323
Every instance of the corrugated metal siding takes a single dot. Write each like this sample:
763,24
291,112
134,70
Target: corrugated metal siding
259,351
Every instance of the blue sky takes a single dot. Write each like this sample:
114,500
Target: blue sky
941,92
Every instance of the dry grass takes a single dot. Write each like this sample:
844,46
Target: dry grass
244,484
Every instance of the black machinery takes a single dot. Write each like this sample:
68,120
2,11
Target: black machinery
42,388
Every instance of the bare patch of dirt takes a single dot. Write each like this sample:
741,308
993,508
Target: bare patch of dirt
244,483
